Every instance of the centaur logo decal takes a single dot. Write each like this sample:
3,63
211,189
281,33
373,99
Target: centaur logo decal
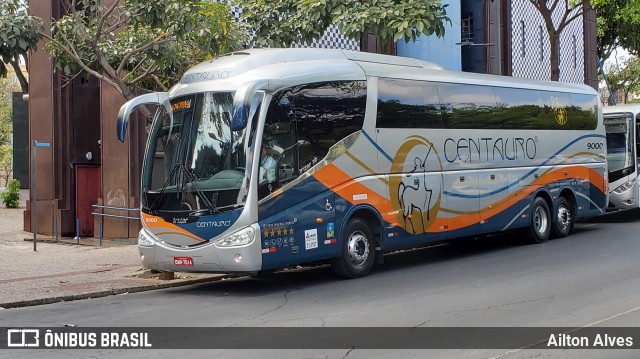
559,110
417,191
208,224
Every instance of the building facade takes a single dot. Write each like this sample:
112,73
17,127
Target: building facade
516,42
85,165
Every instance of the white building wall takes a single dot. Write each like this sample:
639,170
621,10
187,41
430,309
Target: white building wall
530,45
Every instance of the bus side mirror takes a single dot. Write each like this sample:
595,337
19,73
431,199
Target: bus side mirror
242,101
155,98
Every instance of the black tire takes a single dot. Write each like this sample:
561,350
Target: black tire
540,227
563,220
358,251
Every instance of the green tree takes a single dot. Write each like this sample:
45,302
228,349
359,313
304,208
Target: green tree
626,80
6,128
6,163
618,26
140,43
7,87
19,33
282,23
11,196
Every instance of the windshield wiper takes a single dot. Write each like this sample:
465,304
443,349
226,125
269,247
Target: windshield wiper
182,169
211,206
162,192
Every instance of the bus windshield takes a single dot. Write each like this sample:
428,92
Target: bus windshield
194,161
620,145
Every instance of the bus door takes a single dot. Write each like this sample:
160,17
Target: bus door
298,231
296,211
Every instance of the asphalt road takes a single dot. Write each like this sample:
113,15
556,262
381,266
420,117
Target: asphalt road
590,278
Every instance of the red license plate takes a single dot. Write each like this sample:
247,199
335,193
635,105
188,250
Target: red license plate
183,261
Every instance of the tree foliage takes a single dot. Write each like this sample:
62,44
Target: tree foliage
7,87
282,23
140,43
625,80
11,197
618,26
6,163
19,34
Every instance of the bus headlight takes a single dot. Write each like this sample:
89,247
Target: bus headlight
625,186
145,240
240,238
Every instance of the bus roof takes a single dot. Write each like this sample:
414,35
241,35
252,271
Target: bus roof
633,108
293,66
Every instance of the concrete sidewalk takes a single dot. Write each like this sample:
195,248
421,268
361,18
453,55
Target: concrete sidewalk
63,272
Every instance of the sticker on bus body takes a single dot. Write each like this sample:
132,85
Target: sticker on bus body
311,238
183,261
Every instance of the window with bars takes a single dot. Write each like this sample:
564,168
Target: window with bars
541,43
575,50
467,27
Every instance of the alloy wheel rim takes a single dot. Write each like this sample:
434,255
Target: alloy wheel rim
540,220
564,217
358,248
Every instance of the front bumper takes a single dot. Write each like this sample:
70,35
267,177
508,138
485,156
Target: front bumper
206,257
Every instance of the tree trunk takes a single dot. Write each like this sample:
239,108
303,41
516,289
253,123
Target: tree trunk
24,83
554,56
388,46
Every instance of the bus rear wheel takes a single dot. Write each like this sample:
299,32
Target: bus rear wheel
540,227
563,221
358,251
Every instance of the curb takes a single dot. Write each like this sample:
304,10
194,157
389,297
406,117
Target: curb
109,292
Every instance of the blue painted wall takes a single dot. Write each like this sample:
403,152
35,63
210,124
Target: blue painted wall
442,51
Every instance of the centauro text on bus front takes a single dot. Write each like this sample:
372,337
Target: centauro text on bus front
268,158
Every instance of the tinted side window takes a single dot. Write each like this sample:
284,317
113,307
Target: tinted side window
408,104
325,114
468,106
583,114
520,109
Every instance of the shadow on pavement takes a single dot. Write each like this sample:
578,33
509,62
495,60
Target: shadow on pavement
627,216
305,276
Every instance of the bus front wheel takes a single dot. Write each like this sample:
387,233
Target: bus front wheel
563,222
540,226
358,251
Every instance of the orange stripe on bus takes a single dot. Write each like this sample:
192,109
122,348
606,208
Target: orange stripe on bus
343,185
154,222
583,173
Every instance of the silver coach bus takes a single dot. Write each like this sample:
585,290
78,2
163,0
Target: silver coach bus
268,158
